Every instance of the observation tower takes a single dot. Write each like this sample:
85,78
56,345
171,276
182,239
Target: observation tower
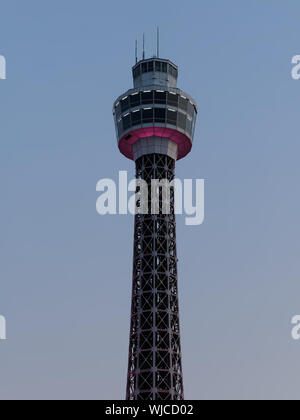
155,123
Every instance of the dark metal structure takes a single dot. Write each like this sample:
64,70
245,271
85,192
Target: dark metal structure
155,124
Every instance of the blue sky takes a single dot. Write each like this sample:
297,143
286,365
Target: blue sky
65,276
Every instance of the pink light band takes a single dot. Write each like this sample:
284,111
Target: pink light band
183,142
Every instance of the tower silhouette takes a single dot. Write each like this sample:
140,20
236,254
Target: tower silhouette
155,124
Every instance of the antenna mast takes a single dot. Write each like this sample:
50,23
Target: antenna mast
136,51
158,42
143,46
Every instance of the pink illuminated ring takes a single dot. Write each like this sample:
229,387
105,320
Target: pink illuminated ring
183,142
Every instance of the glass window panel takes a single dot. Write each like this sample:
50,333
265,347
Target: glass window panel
193,127
181,120
157,66
160,97
160,115
191,109
172,70
144,67
189,126
171,117
151,66
147,116
164,67
136,117
172,99
136,71
120,128
147,97
125,104
135,100
126,122
183,103
118,110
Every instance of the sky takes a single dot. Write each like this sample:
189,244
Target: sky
65,271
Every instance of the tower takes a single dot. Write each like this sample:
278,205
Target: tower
155,124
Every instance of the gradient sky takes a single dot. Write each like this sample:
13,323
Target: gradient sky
65,272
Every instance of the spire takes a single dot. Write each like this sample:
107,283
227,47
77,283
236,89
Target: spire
157,41
136,51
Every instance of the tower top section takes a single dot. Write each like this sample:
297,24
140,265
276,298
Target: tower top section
155,114
155,72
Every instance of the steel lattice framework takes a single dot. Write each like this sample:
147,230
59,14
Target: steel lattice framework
155,124
155,371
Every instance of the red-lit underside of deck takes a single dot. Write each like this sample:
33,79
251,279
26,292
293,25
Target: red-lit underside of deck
183,142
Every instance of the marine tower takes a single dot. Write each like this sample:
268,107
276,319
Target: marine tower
155,123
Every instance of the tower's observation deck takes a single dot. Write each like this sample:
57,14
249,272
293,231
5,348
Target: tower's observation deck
155,124
155,109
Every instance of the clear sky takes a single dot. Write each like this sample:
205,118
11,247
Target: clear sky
65,272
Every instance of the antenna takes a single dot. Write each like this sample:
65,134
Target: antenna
136,51
157,41
143,46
